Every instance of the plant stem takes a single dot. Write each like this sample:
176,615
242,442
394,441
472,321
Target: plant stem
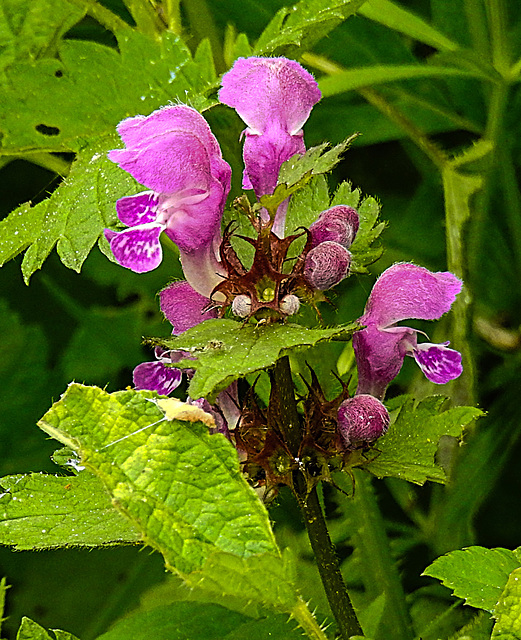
380,572
307,622
327,561
283,415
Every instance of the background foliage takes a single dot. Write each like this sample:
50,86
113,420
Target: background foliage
432,86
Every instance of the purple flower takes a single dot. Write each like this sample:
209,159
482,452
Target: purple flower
274,97
404,291
175,155
156,376
361,419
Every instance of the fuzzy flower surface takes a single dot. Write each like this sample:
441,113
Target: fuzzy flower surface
402,292
176,156
274,97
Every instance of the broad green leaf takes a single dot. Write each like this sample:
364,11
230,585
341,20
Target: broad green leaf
315,161
39,511
299,27
73,217
408,449
476,574
60,104
377,74
507,612
225,350
181,487
30,630
394,16
30,29
200,621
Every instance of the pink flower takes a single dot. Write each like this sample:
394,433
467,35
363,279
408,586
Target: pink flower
175,155
274,97
404,291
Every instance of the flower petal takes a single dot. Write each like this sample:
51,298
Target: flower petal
407,291
155,376
361,419
338,224
137,248
183,307
438,363
266,90
138,209
379,356
264,154
171,161
326,265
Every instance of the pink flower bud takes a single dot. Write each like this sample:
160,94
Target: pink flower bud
326,265
338,224
361,419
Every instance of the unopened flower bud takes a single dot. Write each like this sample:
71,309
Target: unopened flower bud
241,306
326,265
338,224
290,305
362,418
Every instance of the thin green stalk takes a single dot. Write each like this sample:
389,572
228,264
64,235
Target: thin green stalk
283,416
380,571
104,16
498,27
146,16
48,161
307,622
203,26
477,23
173,16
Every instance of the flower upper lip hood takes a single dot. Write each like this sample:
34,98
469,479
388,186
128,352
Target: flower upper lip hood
174,154
404,291
268,90
274,97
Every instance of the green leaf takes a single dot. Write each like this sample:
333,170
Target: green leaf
30,630
241,349
295,29
508,610
73,217
203,621
476,574
296,172
377,74
30,29
91,87
39,511
181,487
408,449
396,17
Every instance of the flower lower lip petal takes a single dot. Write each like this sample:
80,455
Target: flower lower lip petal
137,248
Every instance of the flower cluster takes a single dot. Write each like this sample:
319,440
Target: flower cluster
174,154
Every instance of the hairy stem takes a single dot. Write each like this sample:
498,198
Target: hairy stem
284,418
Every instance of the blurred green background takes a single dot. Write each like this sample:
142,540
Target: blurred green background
87,327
